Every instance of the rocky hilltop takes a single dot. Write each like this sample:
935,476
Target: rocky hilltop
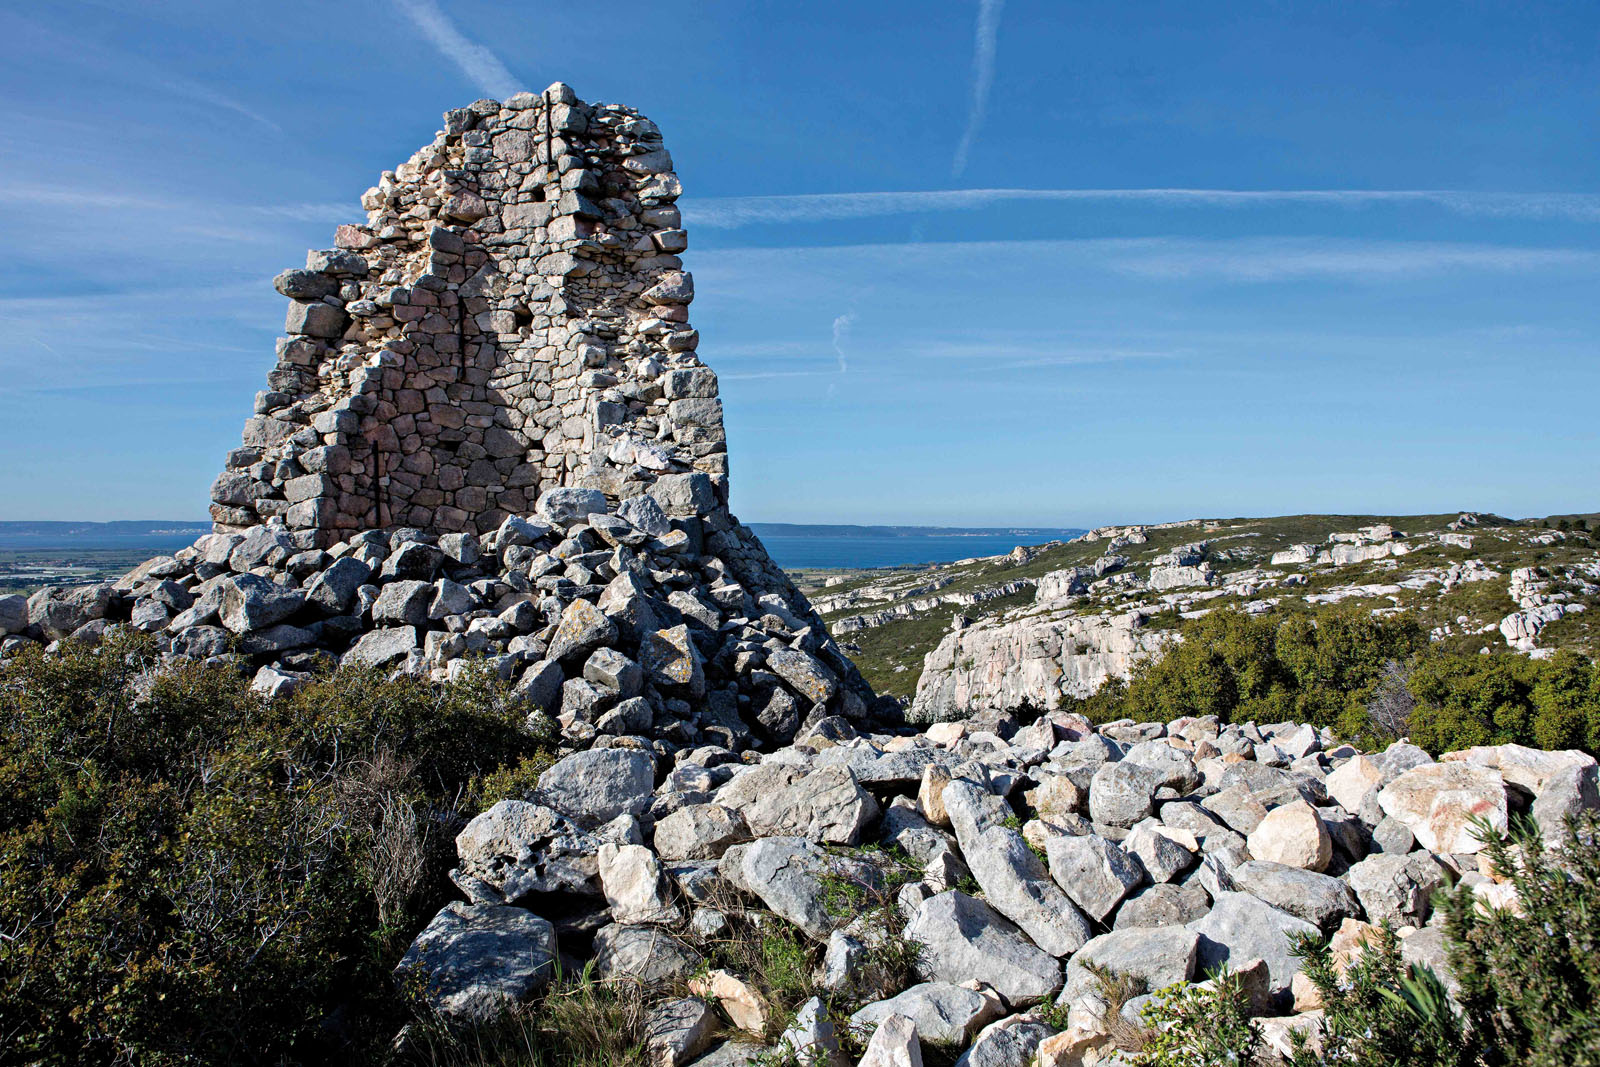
488,437
488,442
1052,623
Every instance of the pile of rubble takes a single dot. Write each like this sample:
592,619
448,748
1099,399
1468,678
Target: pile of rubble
1158,851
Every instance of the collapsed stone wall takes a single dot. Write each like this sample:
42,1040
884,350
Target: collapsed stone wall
512,316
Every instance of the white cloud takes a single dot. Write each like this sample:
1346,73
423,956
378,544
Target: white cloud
738,211
481,66
841,333
985,41
1272,259
838,270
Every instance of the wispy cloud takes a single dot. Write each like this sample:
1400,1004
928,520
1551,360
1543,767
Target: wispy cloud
739,211
1271,259
105,62
985,41
481,66
841,333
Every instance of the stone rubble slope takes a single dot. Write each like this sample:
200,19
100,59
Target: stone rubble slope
1160,851
609,618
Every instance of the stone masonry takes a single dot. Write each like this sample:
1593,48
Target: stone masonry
512,316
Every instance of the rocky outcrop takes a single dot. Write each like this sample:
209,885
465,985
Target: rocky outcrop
1029,662
1187,845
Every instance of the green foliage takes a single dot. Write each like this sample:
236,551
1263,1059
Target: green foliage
1267,668
1530,979
1370,679
1194,1025
1506,698
1381,1011
192,875
1527,979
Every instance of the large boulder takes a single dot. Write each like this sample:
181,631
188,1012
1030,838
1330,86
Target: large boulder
646,954
826,805
699,832
564,507
1438,802
944,1013
474,961
1398,888
59,611
1097,874
1529,769
1240,927
1316,898
790,875
963,938
1013,879
1159,956
251,602
1120,794
630,877
596,786
518,848
1293,835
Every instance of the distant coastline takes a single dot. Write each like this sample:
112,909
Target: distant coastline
792,545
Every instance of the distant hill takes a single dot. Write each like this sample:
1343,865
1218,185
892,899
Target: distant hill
1032,533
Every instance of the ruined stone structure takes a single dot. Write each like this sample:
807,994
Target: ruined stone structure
488,440
512,316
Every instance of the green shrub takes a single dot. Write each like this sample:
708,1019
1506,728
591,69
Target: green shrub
1530,978
191,875
1267,668
1194,1025
1527,979
1381,1011
1504,698
1369,679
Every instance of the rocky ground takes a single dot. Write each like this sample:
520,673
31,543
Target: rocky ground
1058,620
955,886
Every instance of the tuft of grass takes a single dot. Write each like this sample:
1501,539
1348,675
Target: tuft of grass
579,1022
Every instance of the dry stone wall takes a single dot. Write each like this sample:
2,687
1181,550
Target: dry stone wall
511,316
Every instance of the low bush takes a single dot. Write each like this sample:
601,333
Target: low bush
1369,679
192,875
1199,1025
1526,979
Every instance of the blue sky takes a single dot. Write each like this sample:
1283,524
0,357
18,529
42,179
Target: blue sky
958,262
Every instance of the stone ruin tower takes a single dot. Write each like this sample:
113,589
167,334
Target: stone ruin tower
488,439
512,316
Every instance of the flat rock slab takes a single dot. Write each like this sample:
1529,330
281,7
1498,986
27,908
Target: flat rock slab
1239,927
474,961
596,786
944,1014
1438,802
963,938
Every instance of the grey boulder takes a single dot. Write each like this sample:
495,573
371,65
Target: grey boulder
474,961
